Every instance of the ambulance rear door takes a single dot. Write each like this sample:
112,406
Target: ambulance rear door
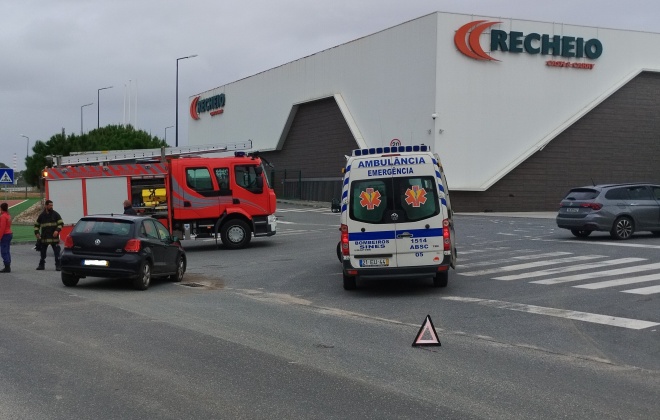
371,234
417,212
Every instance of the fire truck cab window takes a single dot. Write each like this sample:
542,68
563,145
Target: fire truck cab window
199,179
222,176
246,177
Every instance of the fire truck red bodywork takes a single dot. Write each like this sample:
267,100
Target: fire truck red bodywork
213,196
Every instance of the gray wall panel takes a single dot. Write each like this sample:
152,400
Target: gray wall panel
618,141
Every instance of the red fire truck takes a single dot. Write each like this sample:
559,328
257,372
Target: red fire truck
227,198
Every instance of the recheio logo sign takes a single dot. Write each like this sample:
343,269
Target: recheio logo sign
214,105
467,40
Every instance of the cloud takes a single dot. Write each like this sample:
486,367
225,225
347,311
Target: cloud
57,54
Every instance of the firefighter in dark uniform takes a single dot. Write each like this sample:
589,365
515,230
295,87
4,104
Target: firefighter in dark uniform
47,230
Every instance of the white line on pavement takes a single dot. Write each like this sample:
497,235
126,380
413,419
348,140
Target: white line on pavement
620,282
644,290
634,324
591,243
476,251
535,264
559,270
513,259
597,274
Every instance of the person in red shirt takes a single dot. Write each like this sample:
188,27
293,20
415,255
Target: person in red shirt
5,240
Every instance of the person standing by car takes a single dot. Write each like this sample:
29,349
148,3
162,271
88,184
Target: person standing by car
47,230
5,240
128,208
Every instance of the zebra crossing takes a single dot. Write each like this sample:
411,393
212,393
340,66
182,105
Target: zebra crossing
533,266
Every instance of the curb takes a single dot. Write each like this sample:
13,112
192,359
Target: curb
317,204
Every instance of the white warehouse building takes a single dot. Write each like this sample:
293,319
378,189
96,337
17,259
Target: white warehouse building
519,111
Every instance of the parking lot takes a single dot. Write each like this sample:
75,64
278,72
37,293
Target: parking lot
542,322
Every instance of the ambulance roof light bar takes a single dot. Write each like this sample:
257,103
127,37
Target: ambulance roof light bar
390,149
119,155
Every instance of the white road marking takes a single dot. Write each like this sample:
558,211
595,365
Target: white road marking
644,290
535,264
513,259
634,324
494,254
592,243
597,274
620,282
481,250
578,267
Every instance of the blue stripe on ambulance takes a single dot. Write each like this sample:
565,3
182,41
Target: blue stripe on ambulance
344,194
391,234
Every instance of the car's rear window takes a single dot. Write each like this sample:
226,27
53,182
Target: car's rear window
104,227
617,194
582,194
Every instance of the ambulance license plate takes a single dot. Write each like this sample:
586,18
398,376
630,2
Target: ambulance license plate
375,262
96,263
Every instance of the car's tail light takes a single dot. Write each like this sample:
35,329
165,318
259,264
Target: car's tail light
344,240
592,206
445,235
68,242
133,245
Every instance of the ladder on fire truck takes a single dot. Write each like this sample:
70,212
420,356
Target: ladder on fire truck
100,157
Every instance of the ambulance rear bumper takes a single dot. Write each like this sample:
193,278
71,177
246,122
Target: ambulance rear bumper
396,272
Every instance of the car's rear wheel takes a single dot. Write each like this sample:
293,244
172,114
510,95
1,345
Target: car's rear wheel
69,280
623,228
350,282
180,269
143,279
235,234
581,233
441,279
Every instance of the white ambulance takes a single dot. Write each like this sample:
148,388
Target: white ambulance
396,218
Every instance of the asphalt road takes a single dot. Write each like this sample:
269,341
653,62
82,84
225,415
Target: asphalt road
269,332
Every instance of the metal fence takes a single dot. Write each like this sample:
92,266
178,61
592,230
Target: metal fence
291,184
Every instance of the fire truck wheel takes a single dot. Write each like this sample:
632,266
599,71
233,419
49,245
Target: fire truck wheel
69,280
235,234
142,281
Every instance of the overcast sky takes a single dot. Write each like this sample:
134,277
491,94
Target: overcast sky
56,54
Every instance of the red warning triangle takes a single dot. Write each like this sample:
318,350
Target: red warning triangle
427,336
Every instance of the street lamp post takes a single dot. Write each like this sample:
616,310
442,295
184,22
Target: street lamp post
176,122
98,105
27,153
81,116
166,132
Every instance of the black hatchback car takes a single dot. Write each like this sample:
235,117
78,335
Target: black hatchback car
121,246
